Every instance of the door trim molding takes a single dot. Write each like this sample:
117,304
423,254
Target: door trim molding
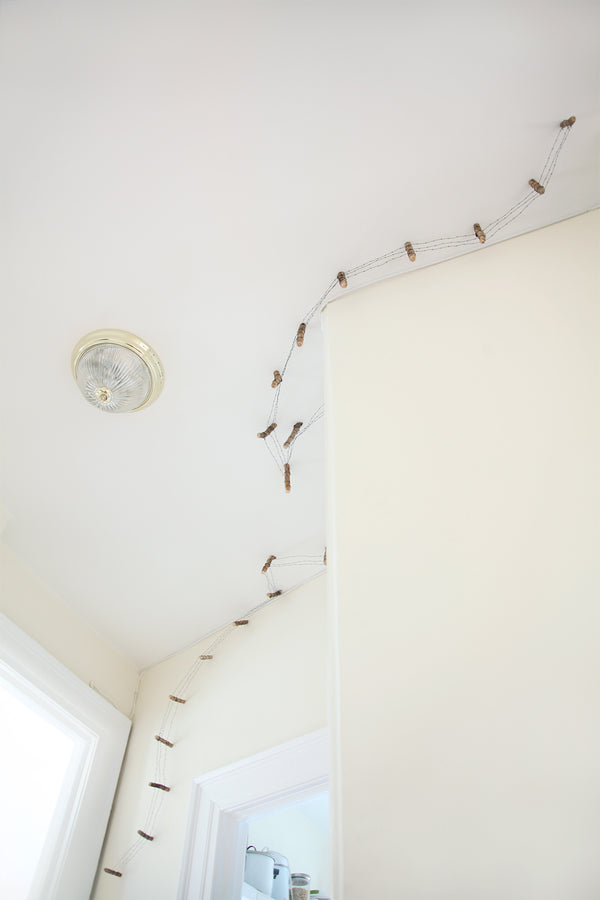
222,801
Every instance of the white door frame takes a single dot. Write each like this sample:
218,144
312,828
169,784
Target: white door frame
222,802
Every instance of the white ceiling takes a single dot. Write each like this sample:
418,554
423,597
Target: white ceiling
196,173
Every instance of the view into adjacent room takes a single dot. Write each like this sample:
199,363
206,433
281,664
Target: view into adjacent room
292,839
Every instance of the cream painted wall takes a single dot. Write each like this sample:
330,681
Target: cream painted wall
464,478
265,686
53,624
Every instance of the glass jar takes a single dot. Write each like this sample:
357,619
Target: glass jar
300,886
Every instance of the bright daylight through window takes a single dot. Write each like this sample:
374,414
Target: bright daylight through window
36,753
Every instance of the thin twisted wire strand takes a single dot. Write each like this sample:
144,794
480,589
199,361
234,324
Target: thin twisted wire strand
559,138
315,418
552,166
516,214
281,454
520,206
282,561
273,451
306,320
308,562
288,452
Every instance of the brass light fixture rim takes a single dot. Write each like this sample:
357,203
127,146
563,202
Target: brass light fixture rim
130,341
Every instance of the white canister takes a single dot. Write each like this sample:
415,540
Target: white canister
258,871
281,876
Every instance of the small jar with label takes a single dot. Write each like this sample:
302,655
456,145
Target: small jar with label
300,886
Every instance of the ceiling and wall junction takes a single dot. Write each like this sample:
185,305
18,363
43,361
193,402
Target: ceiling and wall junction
197,174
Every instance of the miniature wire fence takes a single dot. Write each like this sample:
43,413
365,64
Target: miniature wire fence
282,453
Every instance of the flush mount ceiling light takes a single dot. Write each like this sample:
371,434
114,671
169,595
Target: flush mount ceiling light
116,371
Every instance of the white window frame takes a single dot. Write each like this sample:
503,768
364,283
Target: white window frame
222,802
70,857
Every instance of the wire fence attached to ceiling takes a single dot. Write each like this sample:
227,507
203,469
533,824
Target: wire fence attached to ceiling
406,254
282,454
165,738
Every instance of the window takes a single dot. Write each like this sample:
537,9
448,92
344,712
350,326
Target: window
61,752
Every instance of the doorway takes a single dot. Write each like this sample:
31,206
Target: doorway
222,803
300,833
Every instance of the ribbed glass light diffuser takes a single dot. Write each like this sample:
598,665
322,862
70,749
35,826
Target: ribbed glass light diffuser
113,378
116,371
